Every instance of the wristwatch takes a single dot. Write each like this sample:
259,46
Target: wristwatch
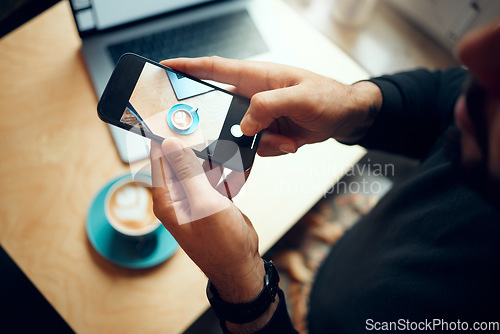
246,312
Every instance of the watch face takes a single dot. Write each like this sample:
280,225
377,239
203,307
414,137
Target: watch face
273,278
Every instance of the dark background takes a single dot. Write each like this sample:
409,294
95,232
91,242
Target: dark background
22,308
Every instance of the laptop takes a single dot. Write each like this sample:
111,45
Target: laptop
161,29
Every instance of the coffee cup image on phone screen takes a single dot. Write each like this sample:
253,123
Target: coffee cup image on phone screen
163,103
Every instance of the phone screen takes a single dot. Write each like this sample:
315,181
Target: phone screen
158,102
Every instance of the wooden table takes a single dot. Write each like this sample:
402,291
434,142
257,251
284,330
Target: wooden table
56,156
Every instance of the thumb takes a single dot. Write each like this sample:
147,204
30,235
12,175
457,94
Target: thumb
273,144
187,170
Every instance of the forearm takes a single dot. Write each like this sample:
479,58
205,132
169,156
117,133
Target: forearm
239,285
365,101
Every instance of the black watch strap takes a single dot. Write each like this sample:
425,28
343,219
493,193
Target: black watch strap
246,312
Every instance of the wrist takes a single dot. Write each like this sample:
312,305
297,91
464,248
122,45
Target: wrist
249,316
364,103
241,283
257,324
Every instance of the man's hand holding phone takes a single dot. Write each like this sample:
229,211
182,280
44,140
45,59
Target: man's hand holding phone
158,102
293,106
196,209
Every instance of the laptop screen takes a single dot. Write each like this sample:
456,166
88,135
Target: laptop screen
91,15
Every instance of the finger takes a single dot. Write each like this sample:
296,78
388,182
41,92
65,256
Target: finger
259,80
249,77
233,90
212,171
267,106
188,170
272,144
164,179
160,171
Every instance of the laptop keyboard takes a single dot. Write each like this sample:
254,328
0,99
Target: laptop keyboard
231,35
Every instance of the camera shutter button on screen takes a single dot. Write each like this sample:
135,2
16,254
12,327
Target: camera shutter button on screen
236,131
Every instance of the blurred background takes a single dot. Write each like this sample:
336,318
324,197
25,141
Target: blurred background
14,13
382,35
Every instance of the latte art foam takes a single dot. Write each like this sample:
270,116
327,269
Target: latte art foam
132,207
182,119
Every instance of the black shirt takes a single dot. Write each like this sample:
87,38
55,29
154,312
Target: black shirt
429,252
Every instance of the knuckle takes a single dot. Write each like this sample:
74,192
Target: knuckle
158,210
184,171
214,58
212,63
162,209
260,103
209,205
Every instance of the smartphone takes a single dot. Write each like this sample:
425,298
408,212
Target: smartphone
157,102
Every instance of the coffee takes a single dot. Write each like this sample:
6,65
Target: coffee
182,119
129,208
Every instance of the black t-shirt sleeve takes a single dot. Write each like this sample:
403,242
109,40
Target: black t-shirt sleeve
417,107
